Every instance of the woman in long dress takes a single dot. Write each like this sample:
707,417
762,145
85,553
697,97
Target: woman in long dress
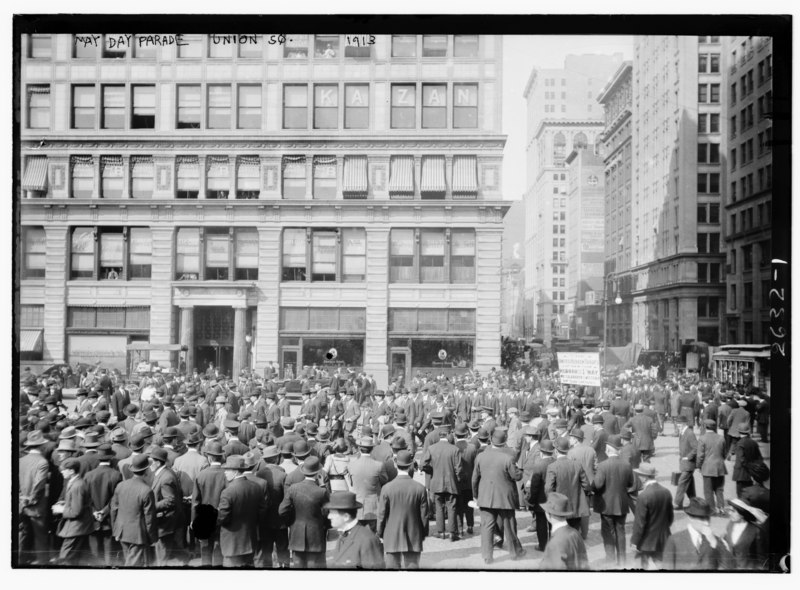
336,466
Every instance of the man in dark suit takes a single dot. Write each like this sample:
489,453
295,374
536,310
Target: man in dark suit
33,502
536,495
207,491
652,518
443,462
403,516
711,463
566,549
568,477
242,506
621,408
746,452
275,532
495,490
612,482
169,507
645,431
687,451
357,547
301,509
368,476
738,417
101,483
77,521
696,547
599,437
133,515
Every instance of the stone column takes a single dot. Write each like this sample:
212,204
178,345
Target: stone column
187,336
239,344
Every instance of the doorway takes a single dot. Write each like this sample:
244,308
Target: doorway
400,363
213,330
289,362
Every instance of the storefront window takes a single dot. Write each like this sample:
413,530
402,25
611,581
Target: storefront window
349,351
425,354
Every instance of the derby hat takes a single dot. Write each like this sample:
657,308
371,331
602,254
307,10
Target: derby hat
215,449
597,419
300,449
251,458
194,438
461,429
287,422
387,431
342,501
323,434
71,463
399,443
105,451
119,435
236,462
310,467
562,444
557,505
499,437
546,447
210,430
159,454
614,441
137,442
483,434
577,433
271,452
170,432
561,423
437,417
400,418
146,432
140,463
91,440
710,424
404,459
150,416
698,508
365,442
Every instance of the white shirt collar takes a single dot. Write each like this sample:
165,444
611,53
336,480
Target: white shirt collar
350,525
558,524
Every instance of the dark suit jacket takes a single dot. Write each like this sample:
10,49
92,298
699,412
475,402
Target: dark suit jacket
358,548
565,551
443,461
493,479
645,429
101,483
33,471
275,478
242,506
631,454
747,451
369,475
599,444
537,493
567,477
681,554
403,515
711,454
208,487
612,481
77,519
652,519
133,513
301,509
167,491
610,423
383,452
738,416
687,447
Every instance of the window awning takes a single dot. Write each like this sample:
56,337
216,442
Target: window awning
433,175
465,176
354,184
401,176
30,341
35,178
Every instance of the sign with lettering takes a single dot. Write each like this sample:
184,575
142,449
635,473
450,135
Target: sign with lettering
579,368
109,350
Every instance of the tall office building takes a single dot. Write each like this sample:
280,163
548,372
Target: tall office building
563,115
747,208
617,137
316,201
678,178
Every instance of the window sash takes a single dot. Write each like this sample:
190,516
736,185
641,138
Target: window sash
404,45
140,245
323,253
112,187
402,242
111,250
465,45
294,248
187,247
217,247
189,105
246,249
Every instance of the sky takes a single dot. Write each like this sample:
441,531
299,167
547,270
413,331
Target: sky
520,55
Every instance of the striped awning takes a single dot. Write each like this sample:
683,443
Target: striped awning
401,175
354,184
30,341
35,178
433,175
465,175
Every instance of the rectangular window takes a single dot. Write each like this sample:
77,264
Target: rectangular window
39,106
462,256
253,49
219,106
748,295
188,177
702,243
404,103
713,183
733,159
248,179
714,94
83,107
702,272
294,255
702,63
112,180
34,254
246,254
82,50
82,253
357,52
432,256
40,47
111,254
326,106
189,107
713,153
465,106
323,256
143,115
82,177
702,93
702,152
113,107
142,48
434,45
219,47
295,106
404,46
324,186
713,243
187,254
356,106
218,179
701,214
714,63
31,316
465,45
702,123
713,215
326,46
140,253
296,47
354,255
192,46
217,251
714,123
702,182
294,177
249,106
401,256
142,174
112,48
434,106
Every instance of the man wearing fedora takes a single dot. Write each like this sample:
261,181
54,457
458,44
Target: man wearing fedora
442,461
566,549
696,547
645,431
77,522
302,453
101,483
275,532
612,483
494,488
468,453
747,452
207,491
33,502
403,516
133,515
368,476
687,452
711,463
242,506
301,510
357,546
169,507
568,477
653,517
536,495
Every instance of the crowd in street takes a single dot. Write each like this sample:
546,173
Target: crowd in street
199,469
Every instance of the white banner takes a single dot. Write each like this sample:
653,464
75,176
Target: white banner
579,368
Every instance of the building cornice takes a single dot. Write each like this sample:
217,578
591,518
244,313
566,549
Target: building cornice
567,123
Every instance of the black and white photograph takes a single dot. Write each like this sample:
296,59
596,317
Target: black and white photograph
490,292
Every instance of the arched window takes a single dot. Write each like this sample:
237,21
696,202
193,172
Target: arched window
579,142
559,148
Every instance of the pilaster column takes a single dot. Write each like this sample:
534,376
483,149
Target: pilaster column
239,343
187,336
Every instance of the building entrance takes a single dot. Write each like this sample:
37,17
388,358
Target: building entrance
213,338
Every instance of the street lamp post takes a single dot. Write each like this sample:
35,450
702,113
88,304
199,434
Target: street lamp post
617,301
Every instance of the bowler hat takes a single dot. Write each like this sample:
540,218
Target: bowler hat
311,429
387,431
597,419
530,431
251,458
287,448
342,501
71,463
140,463
84,422
146,432
170,432
35,439
194,438
91,440
475,425
287,422
214,449
398,443
698,508
159,454
577,433
638,407
400,418
404,458
562,444
270,452
323,434
261,417
210,430
483,434
105,451
150,416
437,417
560,423
300,449
235,462
614,441
137,442
461,429
185,412
557,505
546,447
645,469
499,437
310,466
710,424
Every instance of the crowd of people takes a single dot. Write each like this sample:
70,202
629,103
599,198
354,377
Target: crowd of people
200,469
